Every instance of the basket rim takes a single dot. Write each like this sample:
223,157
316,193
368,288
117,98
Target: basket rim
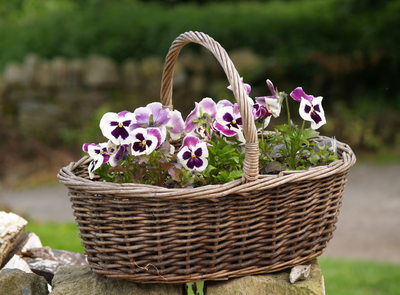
212,192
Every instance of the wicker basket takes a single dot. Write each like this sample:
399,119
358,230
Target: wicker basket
259,224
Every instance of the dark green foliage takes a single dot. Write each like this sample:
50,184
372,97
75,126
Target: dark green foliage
343,50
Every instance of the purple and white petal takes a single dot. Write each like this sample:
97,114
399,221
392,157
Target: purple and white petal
299,93
176,125
93,166
122,152
223,129
223,103
156,135
260,112
209,107
246,87
190,141
205,110
272,103
272,89
115,127
142,116
194,115
160,115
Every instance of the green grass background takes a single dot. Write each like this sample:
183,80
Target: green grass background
342,276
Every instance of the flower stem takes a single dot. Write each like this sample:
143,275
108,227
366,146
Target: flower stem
288,114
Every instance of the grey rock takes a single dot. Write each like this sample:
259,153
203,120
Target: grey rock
100,71
73,280
44,75
273,283
180,76
299,273
59,72
247,63
13,73
17,282
75,73
131,73
30,68
192,62
152,67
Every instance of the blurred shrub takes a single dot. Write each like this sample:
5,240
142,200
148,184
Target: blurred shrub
344,50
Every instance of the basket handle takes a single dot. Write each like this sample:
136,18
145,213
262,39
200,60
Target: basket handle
250,165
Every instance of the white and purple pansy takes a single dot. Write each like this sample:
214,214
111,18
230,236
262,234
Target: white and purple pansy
99,154
228,120
152,116
97,151
202,116
313,112
310,107
145,140
115,127
272,102
123,151
193,154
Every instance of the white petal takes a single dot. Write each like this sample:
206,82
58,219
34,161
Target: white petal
273,106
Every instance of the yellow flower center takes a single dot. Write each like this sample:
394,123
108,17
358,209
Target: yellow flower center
120,125
193,156
234,122
143,143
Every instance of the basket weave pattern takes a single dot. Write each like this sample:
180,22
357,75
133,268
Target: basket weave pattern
260,224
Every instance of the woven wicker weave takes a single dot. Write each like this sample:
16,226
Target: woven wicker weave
260,224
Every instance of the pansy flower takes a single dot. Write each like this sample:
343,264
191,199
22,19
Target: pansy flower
123,151
229,122
200,119
193,154
272,102
145,140
260,112
152,116
115,126
99,154
310,107
97,151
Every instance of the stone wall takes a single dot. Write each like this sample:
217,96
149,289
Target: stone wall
48,98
